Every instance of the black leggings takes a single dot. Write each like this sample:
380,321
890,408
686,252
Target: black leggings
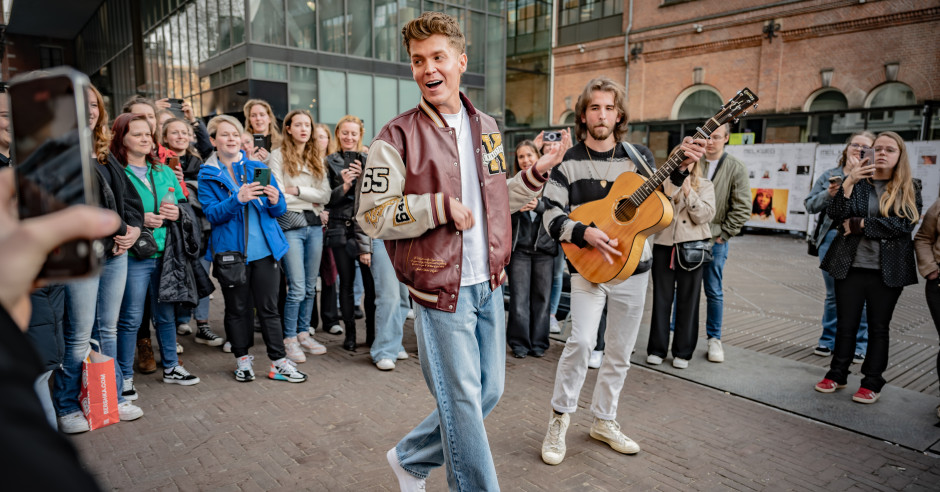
346,265
264,276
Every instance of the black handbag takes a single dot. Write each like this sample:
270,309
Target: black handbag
693,254
230,268
291,220
334,236
146,244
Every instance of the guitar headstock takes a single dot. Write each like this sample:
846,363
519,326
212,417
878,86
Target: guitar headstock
736,107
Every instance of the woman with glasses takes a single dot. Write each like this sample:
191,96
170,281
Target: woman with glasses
816,202
871,259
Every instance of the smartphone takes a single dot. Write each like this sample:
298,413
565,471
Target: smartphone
52,149
551,137
262,141
349,157
176,107
835,179
173,162
262,175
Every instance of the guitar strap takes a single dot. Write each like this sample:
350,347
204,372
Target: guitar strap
638,159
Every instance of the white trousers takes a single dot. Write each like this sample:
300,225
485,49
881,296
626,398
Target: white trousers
624,312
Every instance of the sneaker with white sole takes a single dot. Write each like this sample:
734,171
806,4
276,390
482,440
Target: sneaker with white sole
680,363
309,344
865,395
73,423
184,329
179,375
597,356
294,353
858,359
609,431
553,446
406,481
129,411
402,355
285,370
410,314
227,347
715,352
385,364
128,391
179,348
654,359
822,351
336,329
243,370
206,336
554,327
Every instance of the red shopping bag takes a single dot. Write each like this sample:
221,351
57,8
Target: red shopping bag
99,390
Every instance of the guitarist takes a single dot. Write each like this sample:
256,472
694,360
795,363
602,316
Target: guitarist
586,174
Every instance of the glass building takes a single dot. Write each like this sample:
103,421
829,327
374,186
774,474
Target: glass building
331,57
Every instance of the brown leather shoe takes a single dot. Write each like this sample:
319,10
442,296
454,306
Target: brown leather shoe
145,362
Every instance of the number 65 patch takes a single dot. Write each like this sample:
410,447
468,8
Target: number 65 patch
375,180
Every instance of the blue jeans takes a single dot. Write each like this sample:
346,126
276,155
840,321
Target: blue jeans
92,306
830,319
143,275
391,305
463,360
711,279
201,312
301,265
45,398
558,277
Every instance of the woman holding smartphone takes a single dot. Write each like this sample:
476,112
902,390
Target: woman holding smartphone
298,167
159,192
329,312
872,258
243,215
816,202
344,167
259,120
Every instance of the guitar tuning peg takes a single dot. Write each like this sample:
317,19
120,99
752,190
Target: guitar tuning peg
735,121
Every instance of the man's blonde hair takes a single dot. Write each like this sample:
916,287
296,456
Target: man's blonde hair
431,23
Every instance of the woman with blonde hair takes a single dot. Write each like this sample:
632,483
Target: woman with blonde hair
259,119
872,258
298,167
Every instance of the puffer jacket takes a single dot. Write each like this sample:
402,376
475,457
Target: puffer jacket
408,181
182,278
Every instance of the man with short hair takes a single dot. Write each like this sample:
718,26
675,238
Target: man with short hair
732,210
434,188
586,175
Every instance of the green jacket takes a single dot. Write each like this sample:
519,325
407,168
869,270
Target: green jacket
164,179
732,197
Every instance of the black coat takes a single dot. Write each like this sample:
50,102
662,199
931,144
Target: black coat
342,228
898,266
530,235
46,324
182,277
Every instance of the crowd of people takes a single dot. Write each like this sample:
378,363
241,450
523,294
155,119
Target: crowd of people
288,218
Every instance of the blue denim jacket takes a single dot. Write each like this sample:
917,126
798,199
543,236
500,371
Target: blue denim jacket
817,201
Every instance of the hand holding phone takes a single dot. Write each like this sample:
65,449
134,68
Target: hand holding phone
262,141
262,176
173,162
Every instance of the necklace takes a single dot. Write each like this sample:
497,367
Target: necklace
610,162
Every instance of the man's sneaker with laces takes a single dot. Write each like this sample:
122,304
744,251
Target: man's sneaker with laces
179,375
609,431
309,344
715,352
285,370
553,446
865,395
184,329
294,353
828,386
243,370
822,351
129,411
206,336
128,391
73,423
406,481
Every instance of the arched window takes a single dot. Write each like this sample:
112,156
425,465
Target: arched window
697,102
827,100
891,94
567,118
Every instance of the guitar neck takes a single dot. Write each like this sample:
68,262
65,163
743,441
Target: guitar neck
663,172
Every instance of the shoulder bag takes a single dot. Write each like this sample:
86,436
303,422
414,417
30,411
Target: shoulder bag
146,245
693,254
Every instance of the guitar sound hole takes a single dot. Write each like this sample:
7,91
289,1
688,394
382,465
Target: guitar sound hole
624,211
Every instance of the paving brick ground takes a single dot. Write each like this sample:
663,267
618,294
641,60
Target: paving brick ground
332,433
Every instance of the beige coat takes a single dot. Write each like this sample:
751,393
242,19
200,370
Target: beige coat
692,214
314,193
927,241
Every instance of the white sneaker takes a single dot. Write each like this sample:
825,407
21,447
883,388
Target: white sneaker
554,326
128,391
411,314
73,423
285,370
402,355
715,352
292,347
597,356
609,431
335,329
243,369
129,411
184,329
406,481
385,364
179,348
227,347
654,359
553,446
680,363
309,344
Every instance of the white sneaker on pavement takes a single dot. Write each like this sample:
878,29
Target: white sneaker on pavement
184,329
597,356
406,481
654,359
609,431
129,411
73,423
336,329
294,353
385,364
554,327
402,355
680,363
553,446
227,347
309,344
715,352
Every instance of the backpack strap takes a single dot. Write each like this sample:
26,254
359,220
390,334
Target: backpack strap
639,160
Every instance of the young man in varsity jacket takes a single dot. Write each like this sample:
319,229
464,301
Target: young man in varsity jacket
587,174
434,188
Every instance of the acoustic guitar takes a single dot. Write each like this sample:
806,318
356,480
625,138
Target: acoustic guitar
634,209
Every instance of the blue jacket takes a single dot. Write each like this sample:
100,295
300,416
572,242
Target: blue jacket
218,195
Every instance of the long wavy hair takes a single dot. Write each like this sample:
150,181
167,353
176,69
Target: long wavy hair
329,136
309,157
272,128
845,152
335,146
100,134
602,84
119,130
899,197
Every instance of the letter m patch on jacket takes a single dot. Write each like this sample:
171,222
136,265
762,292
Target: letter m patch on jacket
493,157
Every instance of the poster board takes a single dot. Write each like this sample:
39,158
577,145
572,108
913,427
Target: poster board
925,167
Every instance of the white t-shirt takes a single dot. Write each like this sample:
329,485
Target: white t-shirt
475,267
712,167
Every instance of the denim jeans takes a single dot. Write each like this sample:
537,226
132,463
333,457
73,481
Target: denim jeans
558,277
714,297
830,319
201,312
92,306
144,275
463,360
301,265
45,398
391,305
